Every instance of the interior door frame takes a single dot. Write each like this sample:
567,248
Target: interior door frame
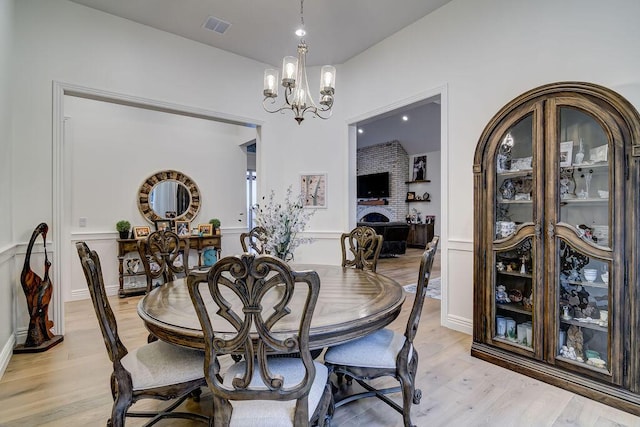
61,181
445,320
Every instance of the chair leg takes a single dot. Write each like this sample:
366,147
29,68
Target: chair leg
119,410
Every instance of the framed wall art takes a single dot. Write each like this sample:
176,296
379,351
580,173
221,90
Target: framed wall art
418,167
313,187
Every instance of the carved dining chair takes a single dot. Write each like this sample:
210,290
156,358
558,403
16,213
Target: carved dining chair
361,248
253,294
254,240
163,258
154,371
386,353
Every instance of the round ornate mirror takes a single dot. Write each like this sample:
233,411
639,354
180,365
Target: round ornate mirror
169,195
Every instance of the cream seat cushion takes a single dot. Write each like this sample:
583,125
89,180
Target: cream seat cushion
270,413
376,350
159,364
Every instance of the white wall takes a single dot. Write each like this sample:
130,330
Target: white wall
7,271
113,149
487,53
60,41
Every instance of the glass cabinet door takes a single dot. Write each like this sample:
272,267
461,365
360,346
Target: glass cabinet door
582,244
513,260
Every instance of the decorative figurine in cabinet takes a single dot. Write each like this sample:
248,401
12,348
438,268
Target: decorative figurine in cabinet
556,292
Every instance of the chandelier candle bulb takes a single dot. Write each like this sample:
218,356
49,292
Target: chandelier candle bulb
270,86
289,69
328,80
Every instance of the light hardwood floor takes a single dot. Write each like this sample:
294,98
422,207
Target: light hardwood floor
69,384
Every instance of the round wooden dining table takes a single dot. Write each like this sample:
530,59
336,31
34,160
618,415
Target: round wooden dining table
351,304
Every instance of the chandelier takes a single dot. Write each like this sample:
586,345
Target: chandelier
296,87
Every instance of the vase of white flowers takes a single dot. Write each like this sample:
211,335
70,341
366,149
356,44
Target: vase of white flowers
282,223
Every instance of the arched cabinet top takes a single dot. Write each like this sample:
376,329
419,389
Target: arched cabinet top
629,119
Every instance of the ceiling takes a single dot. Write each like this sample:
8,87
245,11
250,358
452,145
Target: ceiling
264,30
419,133
337,30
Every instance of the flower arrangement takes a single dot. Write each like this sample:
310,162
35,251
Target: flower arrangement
283,222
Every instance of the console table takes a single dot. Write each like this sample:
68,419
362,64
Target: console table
420,235
126,246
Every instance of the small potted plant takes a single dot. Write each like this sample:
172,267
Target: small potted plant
123,227
216,225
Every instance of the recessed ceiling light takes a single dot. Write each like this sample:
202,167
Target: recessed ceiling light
360,130
405,118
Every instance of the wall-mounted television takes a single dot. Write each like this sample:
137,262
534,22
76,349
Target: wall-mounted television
373,185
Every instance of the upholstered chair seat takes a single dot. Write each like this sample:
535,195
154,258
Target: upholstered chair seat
376,350
273,413
160,364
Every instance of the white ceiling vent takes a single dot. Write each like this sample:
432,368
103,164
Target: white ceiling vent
216,24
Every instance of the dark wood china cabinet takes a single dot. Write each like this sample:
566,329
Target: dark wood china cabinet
556,277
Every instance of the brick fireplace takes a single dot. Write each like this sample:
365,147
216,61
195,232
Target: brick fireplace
386,157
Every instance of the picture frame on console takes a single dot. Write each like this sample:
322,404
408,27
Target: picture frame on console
182,228
205,230
163,224
141,232
418,167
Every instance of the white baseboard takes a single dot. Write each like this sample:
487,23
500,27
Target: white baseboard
458,323
82,294
6,353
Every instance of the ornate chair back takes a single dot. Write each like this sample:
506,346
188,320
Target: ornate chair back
142,373
361,248
159,253
253,294
255,240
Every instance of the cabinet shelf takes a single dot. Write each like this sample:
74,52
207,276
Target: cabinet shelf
514,202
513,343
583,365
514,307
589,201
417,201
585,325
600,285
515,174
515,273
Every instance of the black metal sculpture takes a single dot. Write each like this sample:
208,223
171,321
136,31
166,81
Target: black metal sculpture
38,292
